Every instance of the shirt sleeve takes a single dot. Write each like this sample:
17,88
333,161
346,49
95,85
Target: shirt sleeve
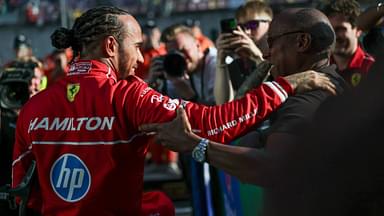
22,158
218,123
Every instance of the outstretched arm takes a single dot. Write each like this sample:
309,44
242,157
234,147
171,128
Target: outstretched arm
250,165
228,121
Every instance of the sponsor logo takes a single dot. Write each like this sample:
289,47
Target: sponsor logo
70,178
171,105
72,90
80,68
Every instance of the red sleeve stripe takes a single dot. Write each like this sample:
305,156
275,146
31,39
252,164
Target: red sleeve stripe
278,90
281,88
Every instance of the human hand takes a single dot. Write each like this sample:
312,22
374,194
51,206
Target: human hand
223,46
310,80
175,135
245,46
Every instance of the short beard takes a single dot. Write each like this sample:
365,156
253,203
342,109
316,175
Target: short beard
122,64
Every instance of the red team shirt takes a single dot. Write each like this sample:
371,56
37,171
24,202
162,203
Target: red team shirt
358,67
83,133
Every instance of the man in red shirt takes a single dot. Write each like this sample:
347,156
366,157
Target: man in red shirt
151,47
83,130
352,62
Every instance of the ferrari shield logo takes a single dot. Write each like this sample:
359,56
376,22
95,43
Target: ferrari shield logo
72,90
355,79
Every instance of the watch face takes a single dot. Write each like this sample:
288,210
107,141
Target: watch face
198,155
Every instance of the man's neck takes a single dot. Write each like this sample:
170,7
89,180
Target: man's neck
200,64
342,60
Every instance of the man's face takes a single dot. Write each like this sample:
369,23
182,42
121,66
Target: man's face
186,44
281,50
256,25
129,54
36,81
346,35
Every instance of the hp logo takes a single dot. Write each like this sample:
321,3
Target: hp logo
70,178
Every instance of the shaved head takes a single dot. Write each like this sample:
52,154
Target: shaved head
308,20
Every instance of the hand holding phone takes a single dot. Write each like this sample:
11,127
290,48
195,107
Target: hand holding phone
228,25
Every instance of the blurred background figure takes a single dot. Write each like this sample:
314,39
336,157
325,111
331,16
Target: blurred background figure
185,72
19,81
371,21
152,47
22,47
246,43
160,161
352,61
56,64
203,40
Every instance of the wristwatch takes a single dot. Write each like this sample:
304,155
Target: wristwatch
199,153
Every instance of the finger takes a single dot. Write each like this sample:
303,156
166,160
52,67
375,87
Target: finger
154,127
330,87
325,83
239,31
181,114
331,90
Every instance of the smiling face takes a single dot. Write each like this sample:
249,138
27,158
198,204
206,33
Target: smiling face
129,55
188,45
346,35
282,50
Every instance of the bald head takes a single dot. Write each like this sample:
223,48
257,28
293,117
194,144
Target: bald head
308,20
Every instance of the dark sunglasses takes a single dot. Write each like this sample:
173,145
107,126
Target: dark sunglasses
272,39
253,24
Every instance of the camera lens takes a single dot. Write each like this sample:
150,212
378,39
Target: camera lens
14,95
175,64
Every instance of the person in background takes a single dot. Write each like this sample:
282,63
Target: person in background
151,47
190,72
371,21
352,61
13,97
56,64
247,44
204,41
22,47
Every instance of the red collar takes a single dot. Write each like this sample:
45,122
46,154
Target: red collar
357,58
91,66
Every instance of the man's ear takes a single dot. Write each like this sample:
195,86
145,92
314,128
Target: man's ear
304,41
358,32
110,46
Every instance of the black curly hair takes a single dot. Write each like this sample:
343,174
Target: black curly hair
91,26
349,8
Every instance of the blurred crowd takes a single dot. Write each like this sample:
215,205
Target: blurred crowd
181,62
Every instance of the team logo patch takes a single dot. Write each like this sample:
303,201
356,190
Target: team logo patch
72,90
80,68
355,79
70,178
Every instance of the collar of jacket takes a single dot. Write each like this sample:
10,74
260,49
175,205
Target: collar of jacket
82,67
